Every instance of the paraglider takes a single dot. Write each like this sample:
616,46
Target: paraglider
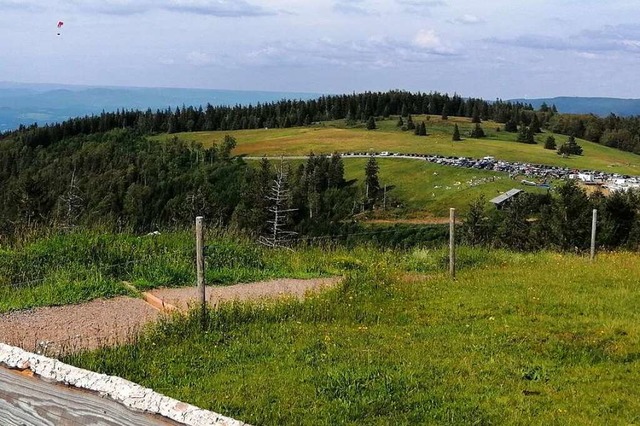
60,25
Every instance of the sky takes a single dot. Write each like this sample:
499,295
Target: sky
492,48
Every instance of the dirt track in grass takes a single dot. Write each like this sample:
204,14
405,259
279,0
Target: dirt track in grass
52,330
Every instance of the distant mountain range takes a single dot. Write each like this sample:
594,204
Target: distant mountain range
48,103
597,106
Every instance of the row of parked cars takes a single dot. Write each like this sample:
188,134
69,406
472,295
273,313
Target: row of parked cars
539,171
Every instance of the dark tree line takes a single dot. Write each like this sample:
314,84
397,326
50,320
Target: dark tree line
561,220
617,132
122,179
286,113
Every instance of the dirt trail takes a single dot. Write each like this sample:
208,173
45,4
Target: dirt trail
182,297
101,322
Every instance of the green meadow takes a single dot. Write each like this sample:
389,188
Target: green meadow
430,189
422,190
516,339
336,137
62,269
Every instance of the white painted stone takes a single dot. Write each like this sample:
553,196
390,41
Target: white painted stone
128,393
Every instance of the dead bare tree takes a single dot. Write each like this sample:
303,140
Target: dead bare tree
72,202
279,197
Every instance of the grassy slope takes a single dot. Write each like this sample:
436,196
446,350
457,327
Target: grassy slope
335,137
527,339
415,181
426,187
73,268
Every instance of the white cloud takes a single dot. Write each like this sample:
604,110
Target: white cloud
220,8
371,53
353,7
587,55
427,39
467,19
198,58
420,7
166,61
620,38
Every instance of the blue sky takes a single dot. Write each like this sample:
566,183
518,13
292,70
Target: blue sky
491,49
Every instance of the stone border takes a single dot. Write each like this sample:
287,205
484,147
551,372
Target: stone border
129,394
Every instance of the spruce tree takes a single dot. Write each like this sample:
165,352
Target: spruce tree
477,132
444,113
476,115
550,143
570,147
371,123
410,124
573,146
371,181
526,135
423,129
511,126
456,134
535,124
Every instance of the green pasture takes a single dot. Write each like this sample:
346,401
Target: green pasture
517,339
426,187
336,137
62,269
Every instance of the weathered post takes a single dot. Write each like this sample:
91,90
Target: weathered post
200,268
594,223
452,242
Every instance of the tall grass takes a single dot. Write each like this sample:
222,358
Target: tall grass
73,267
516,339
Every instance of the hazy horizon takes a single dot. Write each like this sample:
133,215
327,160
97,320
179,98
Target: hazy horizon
493,49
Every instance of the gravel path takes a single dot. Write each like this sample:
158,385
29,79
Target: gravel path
101,322
181,297
88,325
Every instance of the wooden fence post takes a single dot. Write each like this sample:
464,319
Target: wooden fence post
452,242
594,223
200,268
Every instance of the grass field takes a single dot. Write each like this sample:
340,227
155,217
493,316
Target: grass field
334,136
431,189
516,339
428,190
62,269
424,190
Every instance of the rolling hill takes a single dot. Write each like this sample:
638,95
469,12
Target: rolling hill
597,106
46,103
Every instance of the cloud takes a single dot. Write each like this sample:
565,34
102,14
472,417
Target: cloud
220,8
611,39
198,58
353,7
372,53
166,61
18,5
428,40
467,19
420,7
587,55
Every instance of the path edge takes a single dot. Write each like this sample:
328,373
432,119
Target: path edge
125,392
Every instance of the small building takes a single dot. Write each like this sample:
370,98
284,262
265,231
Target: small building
501,200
